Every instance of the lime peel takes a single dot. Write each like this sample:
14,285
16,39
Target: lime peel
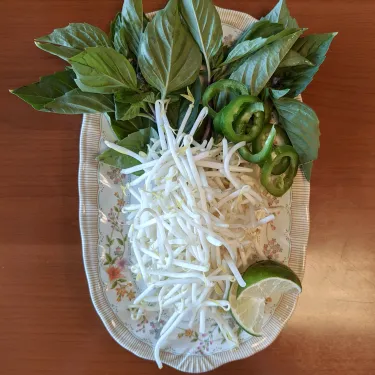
262,279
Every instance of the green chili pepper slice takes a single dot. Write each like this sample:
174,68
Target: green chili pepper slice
247,123
262,155
281,139
219,86
279,185
241,120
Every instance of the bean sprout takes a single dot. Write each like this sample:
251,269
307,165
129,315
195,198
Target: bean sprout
192,225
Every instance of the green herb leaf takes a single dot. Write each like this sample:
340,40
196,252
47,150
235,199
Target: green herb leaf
314,48
132,13
120,241
60,51
173,111
145,21
58,93
129,97
78,102
277,94
259,67
135,142
47,89
219,57
302,126
244,49
72,40
168,56
103,70
282,15
118,32
204,23
307,170
261,29
126,111
293,58
123,128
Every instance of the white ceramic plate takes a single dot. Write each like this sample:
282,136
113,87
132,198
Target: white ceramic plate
107,256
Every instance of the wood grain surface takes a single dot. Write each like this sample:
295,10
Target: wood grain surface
47,322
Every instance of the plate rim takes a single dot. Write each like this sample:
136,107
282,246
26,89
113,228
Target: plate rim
88,218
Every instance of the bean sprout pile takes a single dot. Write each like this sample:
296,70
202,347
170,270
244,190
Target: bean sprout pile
192,228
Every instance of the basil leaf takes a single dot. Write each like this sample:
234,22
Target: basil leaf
173,111
103,70
47,89
78,102
125,111
118,35
150,124
145,21
123,128
58,93
72,39
259,67
219,57
244,49
196,90
204,23
150,97
302,126
281,14
135,142
261,29
168,56
293,58
132,12
64,53
277,94
129,97
314,48
307,170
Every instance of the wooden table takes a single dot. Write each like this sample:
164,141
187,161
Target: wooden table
47,322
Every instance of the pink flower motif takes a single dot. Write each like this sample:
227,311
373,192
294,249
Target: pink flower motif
115,175
272,249
120,263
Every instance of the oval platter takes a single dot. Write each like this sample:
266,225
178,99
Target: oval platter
107,256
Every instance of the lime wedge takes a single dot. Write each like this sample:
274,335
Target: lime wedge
262,279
